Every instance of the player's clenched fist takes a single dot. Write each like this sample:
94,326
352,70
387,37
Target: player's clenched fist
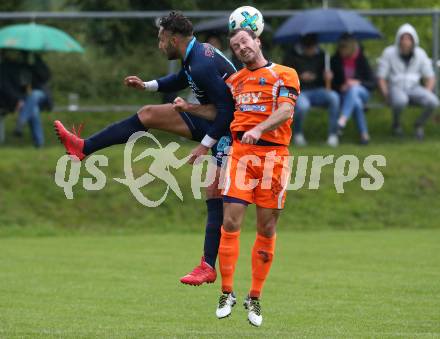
134,81
180,105
199,151
251,137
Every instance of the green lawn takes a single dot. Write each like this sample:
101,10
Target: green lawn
323,284
32,204
360,264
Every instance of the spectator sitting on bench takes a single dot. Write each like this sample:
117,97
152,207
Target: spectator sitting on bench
353,79
309,61
400,69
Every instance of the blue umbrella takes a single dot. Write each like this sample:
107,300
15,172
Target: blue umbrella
328,24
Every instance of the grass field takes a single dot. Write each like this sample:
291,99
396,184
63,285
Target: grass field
32,204
322,284
358,264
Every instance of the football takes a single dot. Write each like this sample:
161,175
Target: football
247,17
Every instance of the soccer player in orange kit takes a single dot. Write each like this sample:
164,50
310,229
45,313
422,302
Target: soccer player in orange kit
257,171
265,94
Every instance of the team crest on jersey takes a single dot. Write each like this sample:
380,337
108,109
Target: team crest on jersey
209,50
223,144
262,81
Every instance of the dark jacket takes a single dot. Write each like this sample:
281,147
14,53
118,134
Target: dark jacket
205,70
363,72
40,80
13,81
294,58
16,77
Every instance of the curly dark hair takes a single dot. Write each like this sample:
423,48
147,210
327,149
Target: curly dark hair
177,23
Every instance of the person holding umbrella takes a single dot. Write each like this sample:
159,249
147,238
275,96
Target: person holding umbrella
24,84
353,79
309,61
352,76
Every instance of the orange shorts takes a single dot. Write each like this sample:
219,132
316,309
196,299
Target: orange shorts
257,174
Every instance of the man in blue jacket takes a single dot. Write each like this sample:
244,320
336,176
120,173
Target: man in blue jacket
204,70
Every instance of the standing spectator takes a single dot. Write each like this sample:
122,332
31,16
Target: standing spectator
13,79
401,68
40,80
309,61
35,96
353,79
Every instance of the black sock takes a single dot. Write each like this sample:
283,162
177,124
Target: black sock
212,231
117,133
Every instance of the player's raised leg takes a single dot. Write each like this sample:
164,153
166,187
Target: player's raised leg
262,257
160,117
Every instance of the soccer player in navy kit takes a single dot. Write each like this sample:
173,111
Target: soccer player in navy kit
204,69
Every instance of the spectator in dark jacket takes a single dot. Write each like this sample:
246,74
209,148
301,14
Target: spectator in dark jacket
13,79
24,89
353,79
309,61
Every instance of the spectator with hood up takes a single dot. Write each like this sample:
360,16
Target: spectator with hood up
401,68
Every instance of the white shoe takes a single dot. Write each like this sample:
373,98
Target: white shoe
333,140
254,311
225,304
300,140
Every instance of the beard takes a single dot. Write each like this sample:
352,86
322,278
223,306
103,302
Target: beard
171,53
248,58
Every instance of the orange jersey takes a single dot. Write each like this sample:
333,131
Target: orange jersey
258,93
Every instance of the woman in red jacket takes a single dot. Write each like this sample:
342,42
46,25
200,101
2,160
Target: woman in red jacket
353,79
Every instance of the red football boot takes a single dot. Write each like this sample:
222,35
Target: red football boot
72,142
203,273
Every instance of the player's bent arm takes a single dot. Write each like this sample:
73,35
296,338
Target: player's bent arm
277,118
207,112
172,82
220,96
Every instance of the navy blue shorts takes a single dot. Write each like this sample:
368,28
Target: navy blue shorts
198,127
